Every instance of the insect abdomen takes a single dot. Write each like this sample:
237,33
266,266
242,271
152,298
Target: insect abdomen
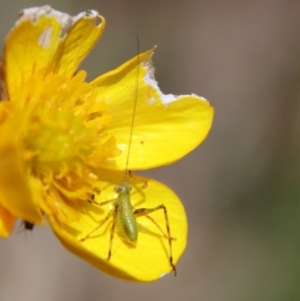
126,220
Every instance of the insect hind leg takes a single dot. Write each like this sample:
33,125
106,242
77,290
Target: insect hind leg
113,229
98,227
92,201
145,212
113,213
159,227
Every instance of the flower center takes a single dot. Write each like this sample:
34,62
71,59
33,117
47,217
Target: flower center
64,139
56,132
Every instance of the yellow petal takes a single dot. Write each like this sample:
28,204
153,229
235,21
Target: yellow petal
15,193
81,37
166,127
44,41
149,260
7,221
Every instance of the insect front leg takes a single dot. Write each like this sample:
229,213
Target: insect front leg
139,190
145,183
145,212
92,201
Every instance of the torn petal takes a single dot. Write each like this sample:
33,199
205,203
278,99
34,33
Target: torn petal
46,41
166,127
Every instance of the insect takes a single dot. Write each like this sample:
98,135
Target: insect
28,226
124,216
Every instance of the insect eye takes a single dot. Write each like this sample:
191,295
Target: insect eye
118,188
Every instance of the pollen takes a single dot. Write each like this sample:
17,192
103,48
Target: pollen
62,139
59,138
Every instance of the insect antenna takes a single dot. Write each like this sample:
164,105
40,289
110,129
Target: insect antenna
127,172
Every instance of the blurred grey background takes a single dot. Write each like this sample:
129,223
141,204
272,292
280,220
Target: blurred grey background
240,188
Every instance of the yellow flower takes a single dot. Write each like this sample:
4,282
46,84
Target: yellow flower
65,142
